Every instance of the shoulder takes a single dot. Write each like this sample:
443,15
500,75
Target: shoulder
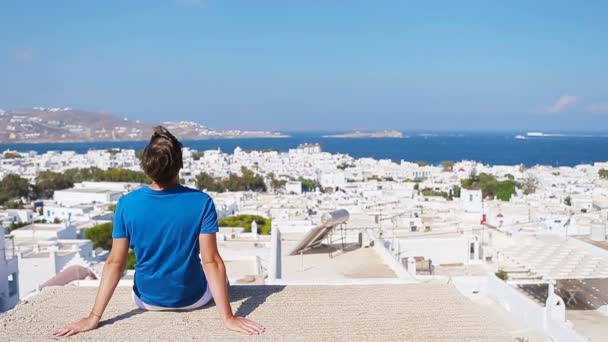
196,194
130,197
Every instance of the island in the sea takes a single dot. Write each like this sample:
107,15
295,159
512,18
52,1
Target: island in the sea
355,135
43,125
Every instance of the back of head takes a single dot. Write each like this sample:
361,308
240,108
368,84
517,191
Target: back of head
162,157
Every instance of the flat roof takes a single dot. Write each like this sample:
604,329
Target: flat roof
411,312
90,191
42,227
553,258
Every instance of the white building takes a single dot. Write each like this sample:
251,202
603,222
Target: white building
9,273
67,213
43,250
472,200
293,187
93,192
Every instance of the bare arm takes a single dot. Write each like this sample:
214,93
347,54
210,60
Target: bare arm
112,271
215,272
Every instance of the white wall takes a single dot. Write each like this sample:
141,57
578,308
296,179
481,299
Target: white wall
75,197
34,271
440,250
46,232
8,267
472,200
37,270
529,312
293,187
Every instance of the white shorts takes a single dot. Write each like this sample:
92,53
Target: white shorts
207,297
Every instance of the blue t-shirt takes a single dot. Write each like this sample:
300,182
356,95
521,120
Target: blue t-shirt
163,228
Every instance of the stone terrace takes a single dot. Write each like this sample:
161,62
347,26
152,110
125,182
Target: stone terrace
412,312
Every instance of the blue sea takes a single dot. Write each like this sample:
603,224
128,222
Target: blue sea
489,148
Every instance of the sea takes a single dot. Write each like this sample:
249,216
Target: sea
496,148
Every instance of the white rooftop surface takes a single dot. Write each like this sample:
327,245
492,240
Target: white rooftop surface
318,266
553,258
589,323
32,228
91,190
412,312
238,269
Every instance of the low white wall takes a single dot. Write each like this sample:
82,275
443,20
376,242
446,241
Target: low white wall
517,304
34,271
380,247
529,312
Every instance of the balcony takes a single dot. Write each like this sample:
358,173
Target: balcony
412,312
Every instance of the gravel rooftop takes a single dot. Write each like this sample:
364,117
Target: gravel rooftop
410,312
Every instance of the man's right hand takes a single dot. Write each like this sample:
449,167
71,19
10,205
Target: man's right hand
243,325
85,324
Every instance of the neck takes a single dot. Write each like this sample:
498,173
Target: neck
157,186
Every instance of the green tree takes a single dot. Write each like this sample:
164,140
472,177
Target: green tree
101,236
456,191
568,201
278,183
249,181
252,181
490,187
205,181
603,173
505,190
198,155
308,185
13,205
110,175
12,187
431,192
16,225
244,221
47,182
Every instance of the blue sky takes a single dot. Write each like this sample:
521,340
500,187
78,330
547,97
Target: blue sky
313,64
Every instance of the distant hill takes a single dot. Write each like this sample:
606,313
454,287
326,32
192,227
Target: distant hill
40,124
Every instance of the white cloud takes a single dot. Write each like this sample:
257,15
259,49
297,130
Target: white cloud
564,102
22,56
597,108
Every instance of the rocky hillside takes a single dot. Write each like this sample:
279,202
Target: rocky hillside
40,124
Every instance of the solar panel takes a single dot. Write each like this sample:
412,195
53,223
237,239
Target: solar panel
315,236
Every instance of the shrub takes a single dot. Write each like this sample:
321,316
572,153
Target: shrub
101,236
244,221
502,275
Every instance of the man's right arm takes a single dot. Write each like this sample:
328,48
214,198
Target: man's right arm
215,272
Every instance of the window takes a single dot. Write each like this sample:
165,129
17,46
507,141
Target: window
12,284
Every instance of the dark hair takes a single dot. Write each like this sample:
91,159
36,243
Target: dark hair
162,157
